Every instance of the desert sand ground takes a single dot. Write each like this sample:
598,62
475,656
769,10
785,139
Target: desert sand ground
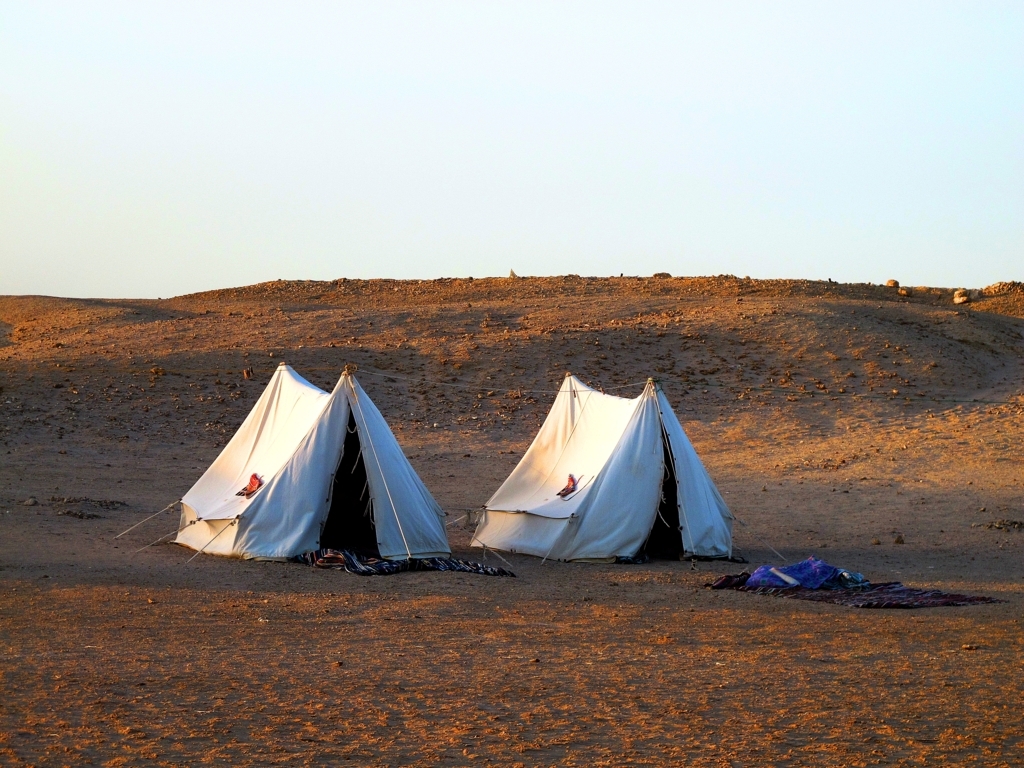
834,418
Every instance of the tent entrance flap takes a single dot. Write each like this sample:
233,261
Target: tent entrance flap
664,541
349,523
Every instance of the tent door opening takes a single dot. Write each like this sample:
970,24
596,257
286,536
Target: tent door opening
665,541
349,524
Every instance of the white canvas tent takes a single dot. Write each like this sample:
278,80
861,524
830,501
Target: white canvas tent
334,476
640,485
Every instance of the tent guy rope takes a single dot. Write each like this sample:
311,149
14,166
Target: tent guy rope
172,533
122,533
773,549
494,552
197,554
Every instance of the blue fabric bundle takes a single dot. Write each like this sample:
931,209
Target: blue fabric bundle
811,573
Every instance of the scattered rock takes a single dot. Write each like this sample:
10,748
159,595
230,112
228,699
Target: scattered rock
79,514
961,297
662,275
968,647
876,542
892,283
103,503
512,274
30,501
898,539
905,292
1001,525
1003,287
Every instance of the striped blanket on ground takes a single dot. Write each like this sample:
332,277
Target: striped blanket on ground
376,566
888,595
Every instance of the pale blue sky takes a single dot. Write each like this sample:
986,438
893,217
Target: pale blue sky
155,149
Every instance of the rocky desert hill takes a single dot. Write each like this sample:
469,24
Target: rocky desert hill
876,427
787,356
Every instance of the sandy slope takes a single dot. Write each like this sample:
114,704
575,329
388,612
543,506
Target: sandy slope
832,416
